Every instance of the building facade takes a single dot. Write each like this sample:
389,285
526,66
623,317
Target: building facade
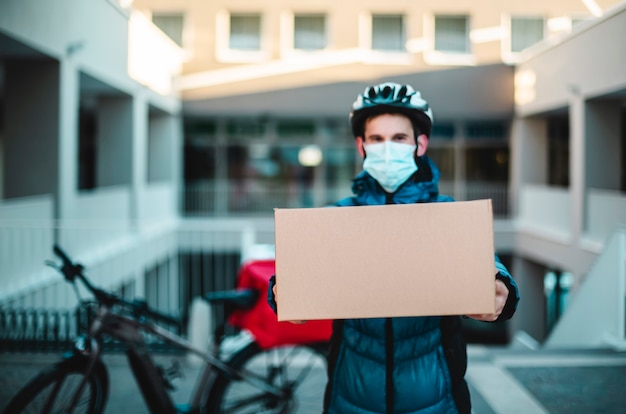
89,146
265,82
156,156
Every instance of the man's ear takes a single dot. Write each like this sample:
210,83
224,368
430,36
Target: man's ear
422,145
359,146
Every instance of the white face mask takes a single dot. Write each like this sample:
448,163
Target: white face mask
390,163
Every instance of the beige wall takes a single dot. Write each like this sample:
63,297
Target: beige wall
343,19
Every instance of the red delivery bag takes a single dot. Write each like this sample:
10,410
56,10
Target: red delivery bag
261,320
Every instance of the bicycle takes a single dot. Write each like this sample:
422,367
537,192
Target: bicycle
254,378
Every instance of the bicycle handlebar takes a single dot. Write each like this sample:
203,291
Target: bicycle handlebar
139,307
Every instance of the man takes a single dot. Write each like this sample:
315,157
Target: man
413,364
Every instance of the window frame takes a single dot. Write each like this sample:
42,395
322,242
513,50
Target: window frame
224,52
544,29
184,36
381,57
508,55
324,34
435,57
403,32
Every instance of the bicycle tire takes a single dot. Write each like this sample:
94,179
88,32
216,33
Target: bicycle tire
298,370
54,385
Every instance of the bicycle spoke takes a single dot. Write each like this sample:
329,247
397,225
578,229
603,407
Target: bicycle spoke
308,366
53,395
245,402
298,372
72,391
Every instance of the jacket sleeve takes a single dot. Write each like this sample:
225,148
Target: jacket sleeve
511,302
271,299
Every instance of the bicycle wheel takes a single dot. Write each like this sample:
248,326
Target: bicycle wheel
298,371
53,390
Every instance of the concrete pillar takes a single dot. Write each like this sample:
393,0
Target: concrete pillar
164,160
177,155
531,312
68,140
460,164
529,151
221,186
577,168
139,161
32,103
174,283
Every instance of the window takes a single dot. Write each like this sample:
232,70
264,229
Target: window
558,151
309,32
294,129
245,32
451,34
244,129
388,33
200,128
443,157
525,32
486,130
442,130
487,164
171,24
87,147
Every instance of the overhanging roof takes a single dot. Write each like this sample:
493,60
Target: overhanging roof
461,93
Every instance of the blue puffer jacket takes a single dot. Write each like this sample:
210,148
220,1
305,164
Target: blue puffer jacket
398,365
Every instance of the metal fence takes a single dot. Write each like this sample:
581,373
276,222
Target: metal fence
169,268
36,329
210,200
54,330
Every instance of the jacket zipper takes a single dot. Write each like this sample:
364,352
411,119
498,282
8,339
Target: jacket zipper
389,391
389,388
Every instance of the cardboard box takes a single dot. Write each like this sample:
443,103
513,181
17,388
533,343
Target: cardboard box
385,261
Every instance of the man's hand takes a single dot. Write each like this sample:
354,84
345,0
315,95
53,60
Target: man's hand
276,298
502,293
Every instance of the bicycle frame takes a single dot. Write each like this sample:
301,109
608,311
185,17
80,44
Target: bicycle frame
128,329
229,362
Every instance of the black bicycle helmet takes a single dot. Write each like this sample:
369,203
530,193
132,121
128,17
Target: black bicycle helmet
391,97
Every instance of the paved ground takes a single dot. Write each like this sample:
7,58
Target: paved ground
555,382
502,380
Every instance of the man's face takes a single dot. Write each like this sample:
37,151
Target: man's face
390,127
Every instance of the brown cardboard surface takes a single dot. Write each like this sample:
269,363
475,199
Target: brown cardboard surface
385,261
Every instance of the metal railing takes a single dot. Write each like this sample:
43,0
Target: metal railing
54,330
36,329
209,199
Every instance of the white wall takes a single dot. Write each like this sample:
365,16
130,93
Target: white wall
606,213
545,210
94,32
566,71
95,35
26,237
82,38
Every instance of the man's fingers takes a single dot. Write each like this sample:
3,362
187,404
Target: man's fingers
502,293
488,317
